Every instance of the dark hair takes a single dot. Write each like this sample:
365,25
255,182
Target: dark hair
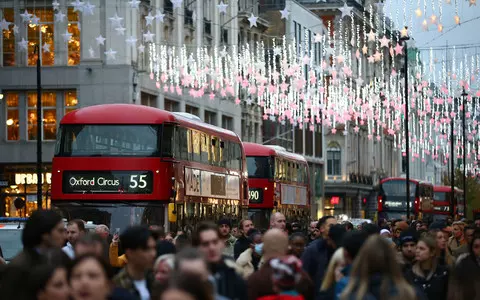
157,232
135,237
182,241
80,224
202,227
38,278
39,223
371,229
353,242
323,220
165,247
469,228
187,254
297,234
190,284
348,225
252,233
102,262
90,238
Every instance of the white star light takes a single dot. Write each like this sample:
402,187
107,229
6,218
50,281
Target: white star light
222,7
177,3
131,40
15,29
23,44
46,47
277,51
284,13
116,20
253,21
4,25
55,5
317,38
100,40
346,10
77,5
384,42
134,3
148,37
59,17
110,54
26,16
67,36
249,101
149,18
141,48
34,20
88,9
92,52
159,16
120,30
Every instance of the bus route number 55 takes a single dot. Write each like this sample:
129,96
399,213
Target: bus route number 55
138,181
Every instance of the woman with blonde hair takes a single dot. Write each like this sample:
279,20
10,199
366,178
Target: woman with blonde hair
443,255
333,274
377,275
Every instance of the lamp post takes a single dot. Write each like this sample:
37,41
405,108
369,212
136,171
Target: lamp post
464,105
404,40
452,170
39,128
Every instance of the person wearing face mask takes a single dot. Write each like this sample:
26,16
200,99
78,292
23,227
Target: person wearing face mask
249,260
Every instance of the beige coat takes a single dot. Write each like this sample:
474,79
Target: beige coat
244,262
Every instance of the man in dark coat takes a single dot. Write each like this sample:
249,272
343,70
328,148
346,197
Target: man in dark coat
317,256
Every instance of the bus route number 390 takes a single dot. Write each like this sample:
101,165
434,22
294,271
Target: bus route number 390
255,195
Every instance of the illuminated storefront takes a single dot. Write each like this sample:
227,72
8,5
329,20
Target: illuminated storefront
20,182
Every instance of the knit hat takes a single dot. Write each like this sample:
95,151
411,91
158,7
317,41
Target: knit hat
409,235
286,272
225,222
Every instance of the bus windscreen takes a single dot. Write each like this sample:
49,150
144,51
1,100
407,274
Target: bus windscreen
108,140
259,167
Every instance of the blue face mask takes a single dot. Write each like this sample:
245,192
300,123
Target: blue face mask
259,248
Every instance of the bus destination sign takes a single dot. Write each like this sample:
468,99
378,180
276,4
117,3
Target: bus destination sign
108,182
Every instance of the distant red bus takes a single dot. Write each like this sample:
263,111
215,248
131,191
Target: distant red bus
278,180
392,197
122,164
440,209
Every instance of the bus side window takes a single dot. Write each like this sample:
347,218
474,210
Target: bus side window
167,141
205,149
182,140
223,153
215,151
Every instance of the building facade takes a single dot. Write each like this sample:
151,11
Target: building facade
97,53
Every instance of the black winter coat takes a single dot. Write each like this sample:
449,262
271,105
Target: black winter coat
315,261
228,283
435,287
241,245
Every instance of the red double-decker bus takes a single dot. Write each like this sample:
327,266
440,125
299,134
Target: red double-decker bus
122,164
278,180
442,199
392,198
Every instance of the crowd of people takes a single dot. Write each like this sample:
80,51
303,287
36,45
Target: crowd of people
391,260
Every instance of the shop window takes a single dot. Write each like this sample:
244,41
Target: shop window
13,132
148,99
74,43
71,101
8,39
334,159
49,111
41,34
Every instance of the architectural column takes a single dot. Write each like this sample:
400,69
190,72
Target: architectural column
199,23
